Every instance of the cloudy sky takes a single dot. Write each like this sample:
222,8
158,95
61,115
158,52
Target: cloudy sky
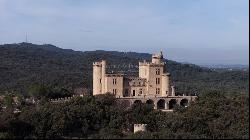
195,31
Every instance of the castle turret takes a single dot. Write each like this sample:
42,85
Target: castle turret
97,78
157,58
165,85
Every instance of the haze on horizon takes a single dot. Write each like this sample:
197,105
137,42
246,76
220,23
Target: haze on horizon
194,31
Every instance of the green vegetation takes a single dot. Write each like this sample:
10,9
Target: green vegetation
45,71
8,101
39,91
214,115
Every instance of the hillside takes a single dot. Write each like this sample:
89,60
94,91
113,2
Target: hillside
25,64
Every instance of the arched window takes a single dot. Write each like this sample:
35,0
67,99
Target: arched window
157,72
140,91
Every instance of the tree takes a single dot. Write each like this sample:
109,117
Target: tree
8,101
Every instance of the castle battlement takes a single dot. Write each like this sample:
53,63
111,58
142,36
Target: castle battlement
151,64
144,63
97,63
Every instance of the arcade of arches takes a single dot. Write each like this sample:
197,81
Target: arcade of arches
168,104
163,103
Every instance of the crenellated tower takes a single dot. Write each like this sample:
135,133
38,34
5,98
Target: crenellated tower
158,82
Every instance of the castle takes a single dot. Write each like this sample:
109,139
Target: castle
151,87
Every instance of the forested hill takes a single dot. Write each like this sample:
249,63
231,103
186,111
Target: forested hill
26,64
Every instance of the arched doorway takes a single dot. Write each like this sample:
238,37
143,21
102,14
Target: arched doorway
184,102
150,103
161,104
172,103
137,102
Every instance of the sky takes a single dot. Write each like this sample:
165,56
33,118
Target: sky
194,31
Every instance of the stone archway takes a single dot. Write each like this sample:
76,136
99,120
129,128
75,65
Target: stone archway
184,103
137,102
172,103
150,102
161,104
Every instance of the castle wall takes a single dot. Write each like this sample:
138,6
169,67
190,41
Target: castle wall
140,91
103,76
152,80
137,87
115,84
143,71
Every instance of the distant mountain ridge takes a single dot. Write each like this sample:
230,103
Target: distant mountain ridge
24,64
235,66
47,47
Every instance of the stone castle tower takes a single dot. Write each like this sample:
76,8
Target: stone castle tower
99,72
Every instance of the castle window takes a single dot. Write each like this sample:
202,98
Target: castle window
157,71
114,91
114,81
140,92
100,80
133,92
157,90
126,93
157,81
